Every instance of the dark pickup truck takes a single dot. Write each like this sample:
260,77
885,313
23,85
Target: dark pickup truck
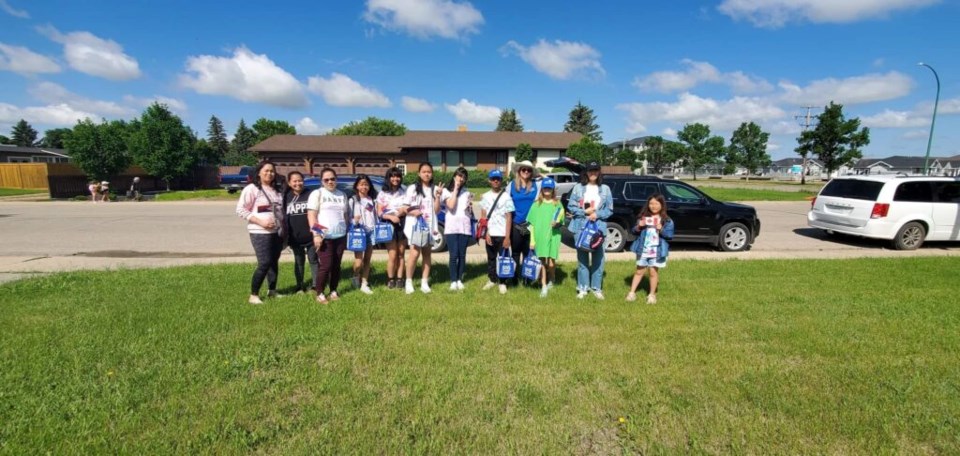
234,182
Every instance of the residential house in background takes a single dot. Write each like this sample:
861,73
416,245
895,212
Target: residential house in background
445,150
908,165
17,154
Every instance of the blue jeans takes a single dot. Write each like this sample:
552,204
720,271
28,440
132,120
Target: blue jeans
457,246
590,273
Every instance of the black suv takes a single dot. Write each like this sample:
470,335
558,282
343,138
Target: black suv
698,218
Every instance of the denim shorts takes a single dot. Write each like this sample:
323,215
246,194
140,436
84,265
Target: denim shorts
651,263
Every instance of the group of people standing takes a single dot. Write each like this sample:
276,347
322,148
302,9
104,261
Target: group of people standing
523,217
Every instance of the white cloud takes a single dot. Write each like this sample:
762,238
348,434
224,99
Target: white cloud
777,13
773,147
59,115
425,18
417,104
176,105
919,116
57,95
22,14
87,53
670,132
916,134
306,126
699,72
689,108
559,59
342,91
245,76
470,112
854,90
21,60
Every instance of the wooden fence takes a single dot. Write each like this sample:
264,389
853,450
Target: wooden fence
24,175
68,181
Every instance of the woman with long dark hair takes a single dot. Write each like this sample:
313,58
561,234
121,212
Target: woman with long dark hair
261,205
326,214
590,201
299,237
457,227
391,207
423,203
363,213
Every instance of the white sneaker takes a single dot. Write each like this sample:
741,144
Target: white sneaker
489,285
543,291
454,286
652,299
365,289
424,287
461,286
581,294
255,300
274,294
409,288
549,284
631,297
598,294
503,289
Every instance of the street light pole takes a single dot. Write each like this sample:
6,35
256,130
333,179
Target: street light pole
933,122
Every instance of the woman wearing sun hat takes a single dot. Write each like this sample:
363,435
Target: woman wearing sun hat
523,191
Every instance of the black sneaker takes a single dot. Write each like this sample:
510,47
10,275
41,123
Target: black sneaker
355,282
391,284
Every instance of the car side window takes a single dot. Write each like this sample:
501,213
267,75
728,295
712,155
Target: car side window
919,192
639,191
947,192
680,194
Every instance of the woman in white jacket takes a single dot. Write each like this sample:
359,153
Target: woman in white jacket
261,205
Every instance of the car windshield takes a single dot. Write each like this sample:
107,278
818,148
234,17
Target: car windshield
852,188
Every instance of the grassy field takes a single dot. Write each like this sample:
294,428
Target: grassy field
753,194
205,195
20,191
754,357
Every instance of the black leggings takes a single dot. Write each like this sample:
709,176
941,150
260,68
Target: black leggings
519,246
268,248
301,254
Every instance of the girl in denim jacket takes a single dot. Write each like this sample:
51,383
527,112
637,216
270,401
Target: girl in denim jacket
590,201
653,229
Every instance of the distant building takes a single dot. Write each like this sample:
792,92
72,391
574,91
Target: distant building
17,154
445,150
909,165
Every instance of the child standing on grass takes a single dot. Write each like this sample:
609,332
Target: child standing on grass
422,204
653,229
497,208
546,217
363,211
458,203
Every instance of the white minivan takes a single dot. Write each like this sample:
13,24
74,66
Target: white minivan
905,210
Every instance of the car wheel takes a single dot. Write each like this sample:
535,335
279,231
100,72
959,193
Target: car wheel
616,238
910,236
439,243
734,237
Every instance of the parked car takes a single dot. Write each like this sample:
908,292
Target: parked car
905,210
234,182
344,183
697,217
565,182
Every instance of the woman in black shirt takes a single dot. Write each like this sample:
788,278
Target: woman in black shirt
300,238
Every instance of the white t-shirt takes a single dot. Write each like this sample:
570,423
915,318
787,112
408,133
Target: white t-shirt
458,220
330,209
497,221
591,195
365,209
423,203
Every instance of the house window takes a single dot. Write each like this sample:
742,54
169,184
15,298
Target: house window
470,159
453,158
435,157
501,159
18,159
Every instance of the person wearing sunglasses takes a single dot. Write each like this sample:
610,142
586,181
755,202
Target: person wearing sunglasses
327,215
523,191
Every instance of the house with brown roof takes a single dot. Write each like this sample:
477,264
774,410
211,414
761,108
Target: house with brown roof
445,150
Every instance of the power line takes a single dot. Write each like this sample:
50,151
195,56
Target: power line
806,126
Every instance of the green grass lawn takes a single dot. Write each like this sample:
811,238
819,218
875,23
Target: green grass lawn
21,191
206,195
750,357
753,194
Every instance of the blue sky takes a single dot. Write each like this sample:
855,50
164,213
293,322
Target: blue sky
645,67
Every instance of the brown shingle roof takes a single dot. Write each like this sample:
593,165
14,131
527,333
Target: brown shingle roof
415,139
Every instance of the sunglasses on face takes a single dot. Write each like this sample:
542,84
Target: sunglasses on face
526,170
495,179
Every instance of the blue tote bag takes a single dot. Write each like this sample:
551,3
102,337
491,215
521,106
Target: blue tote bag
357,239
531,267
506,267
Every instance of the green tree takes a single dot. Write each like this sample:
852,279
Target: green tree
243,140
835,140
626,157
699,147
23,134
162,144
509,121
100,150
748,148
5,140
583,121
659,153
586,150
217,140
524,153
371,126
264,128
53,138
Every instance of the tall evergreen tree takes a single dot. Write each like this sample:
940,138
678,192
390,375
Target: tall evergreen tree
5,140
217,140
509,121
243,140
583,121
835,141
54,138
23,134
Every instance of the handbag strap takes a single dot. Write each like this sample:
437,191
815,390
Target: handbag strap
494,206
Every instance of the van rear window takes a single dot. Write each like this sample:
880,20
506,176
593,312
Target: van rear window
854,189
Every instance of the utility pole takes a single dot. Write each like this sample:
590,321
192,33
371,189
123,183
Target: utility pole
806,126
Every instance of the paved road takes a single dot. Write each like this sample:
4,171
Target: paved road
53,236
